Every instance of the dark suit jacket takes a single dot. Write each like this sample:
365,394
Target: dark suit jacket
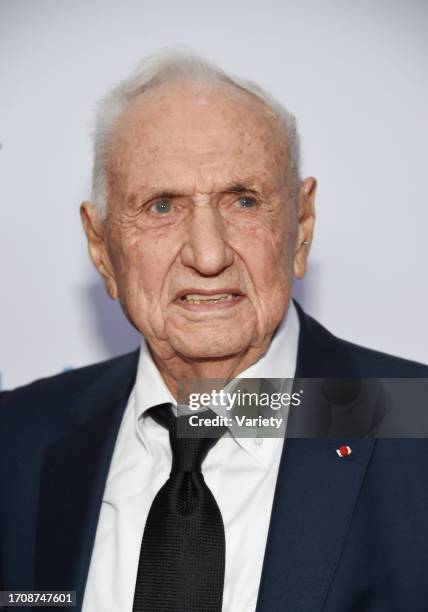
345,535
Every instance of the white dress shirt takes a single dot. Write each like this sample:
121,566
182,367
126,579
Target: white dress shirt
241,473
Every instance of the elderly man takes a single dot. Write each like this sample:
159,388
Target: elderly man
198,225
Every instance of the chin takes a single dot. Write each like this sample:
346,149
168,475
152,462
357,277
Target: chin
207,346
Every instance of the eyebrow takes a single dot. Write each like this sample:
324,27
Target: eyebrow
233,188
240,188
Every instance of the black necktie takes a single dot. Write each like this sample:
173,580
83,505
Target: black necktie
182,556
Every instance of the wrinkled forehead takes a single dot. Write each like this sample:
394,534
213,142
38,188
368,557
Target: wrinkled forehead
216,132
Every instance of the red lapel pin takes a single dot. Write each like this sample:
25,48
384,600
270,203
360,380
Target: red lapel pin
343,451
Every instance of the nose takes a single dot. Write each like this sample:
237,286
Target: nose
206,249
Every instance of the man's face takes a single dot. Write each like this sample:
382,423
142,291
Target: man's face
199,238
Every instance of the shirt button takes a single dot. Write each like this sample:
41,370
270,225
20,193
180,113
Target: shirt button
258,441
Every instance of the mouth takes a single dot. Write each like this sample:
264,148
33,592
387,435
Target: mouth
199,299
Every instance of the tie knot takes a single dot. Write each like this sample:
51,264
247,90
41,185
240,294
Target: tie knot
188,451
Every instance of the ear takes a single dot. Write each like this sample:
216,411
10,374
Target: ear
94,230
305,228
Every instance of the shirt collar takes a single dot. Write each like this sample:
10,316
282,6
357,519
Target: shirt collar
150,388
279,361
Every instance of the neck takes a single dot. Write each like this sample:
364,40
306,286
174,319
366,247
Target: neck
223,368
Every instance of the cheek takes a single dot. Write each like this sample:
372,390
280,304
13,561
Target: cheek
141,269
268,262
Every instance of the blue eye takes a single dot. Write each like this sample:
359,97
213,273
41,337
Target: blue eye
246,202
161,207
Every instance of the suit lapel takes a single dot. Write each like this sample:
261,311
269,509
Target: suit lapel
315,495
73,479
314,500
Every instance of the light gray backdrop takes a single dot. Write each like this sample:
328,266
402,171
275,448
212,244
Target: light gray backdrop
354,73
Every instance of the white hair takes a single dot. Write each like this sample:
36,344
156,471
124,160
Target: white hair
171,65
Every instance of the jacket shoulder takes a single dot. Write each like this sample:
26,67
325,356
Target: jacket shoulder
57,391
324,354
378,361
